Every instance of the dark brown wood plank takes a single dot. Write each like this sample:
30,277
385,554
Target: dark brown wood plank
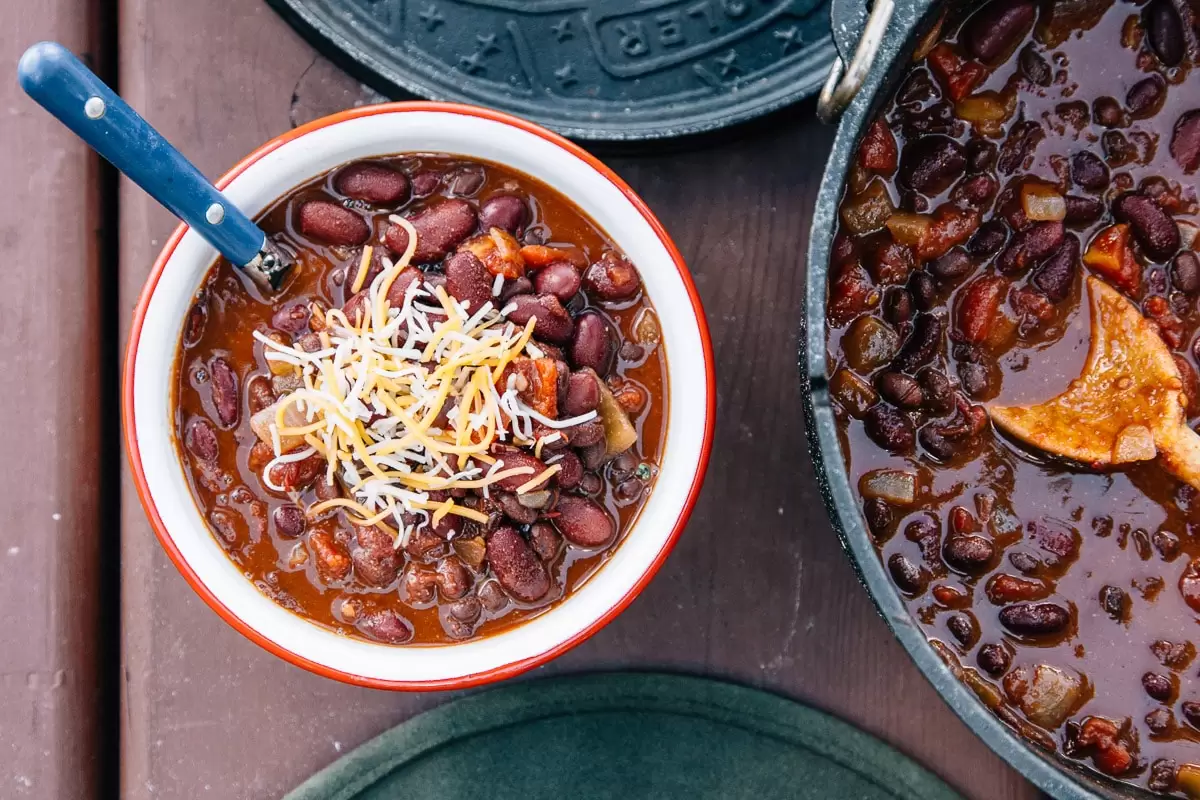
52,527
758,590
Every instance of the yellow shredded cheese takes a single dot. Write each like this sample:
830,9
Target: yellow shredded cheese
407,400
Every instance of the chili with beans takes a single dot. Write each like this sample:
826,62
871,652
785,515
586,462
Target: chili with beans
448,417
1028,146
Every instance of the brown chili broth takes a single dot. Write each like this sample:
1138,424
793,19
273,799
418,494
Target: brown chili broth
237,307
1112,655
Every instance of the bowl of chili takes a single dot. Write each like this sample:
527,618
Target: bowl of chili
466,433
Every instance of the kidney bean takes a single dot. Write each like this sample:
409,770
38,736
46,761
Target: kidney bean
593,457
584,523
560,279
1185,272
296,476
332,224
1004,588
1034,67
466,181
996,28
453,578
988,240
1155,230
970,554
1185,141
386,626
468,280
593,345
333,562
201,440
571,473
890,428
514,458
937,393
373,183
975,191
922,344
981,155
908,577
376,562
553,323
995,659
585,434
1146,97
583,393
952,266
1164,29
938,118
224,387
1056,275
900,390
1035,619
612,278
1030,246
197,320
425,183
467,610
291,318
505,211
980,380
518,569
545,540
1082,212
289,521
439,229
930,164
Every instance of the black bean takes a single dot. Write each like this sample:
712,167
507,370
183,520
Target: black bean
1164,29
922,344
890,428
980,380
897,305
1162,775
1056,275
1089,171
952,266
937,391
879,516
1159,721
995,659
1158,687
930,164
1083,211
289,521
1034,67
907,576
988,240
1107,112
970,553
963,627
593,344
923,291
981,155
1035,619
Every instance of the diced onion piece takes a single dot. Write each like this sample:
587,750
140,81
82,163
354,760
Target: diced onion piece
293,417
619,433
646,331
987,111
897,486
1042,203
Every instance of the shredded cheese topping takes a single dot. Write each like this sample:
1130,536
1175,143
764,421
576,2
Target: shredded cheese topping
406,402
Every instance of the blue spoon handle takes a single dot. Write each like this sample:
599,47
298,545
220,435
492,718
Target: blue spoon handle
56,79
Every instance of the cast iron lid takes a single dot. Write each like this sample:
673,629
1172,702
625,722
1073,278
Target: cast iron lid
624,736
590,69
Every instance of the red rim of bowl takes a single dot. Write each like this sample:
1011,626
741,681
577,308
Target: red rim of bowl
504,671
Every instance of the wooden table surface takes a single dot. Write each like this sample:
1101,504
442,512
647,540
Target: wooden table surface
758,589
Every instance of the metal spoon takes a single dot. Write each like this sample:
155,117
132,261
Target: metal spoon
60,83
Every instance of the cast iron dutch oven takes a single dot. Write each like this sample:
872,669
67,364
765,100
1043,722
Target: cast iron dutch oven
877,44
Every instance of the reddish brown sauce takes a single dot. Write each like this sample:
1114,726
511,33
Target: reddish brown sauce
242,511
1029,575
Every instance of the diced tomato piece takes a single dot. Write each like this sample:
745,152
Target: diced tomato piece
878,151
977,308
1111,255
957,75
539,255
951,225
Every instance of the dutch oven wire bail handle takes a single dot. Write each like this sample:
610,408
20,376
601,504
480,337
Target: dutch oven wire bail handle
849,17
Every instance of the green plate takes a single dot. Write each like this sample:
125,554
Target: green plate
624,736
